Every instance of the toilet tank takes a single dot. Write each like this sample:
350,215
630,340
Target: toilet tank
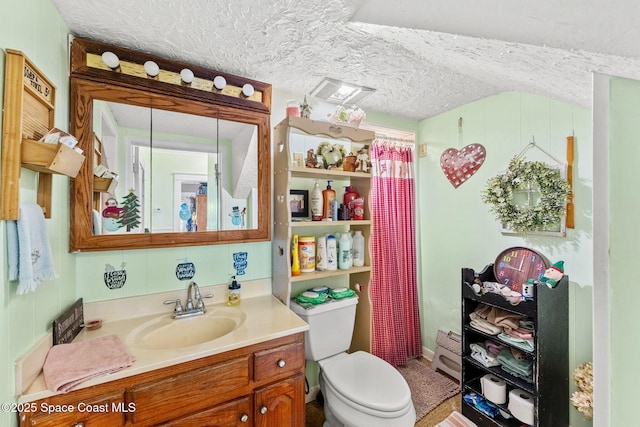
330,327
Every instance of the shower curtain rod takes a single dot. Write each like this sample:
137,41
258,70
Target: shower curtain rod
390,140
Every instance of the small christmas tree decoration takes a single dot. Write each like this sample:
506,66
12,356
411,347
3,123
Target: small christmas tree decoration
130,216
305,109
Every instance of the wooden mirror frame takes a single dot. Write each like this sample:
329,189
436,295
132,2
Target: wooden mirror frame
89,81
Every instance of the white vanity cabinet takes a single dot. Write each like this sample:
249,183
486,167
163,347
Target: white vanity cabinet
294,137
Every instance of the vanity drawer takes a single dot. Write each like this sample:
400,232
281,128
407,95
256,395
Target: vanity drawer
98,412
235,413
284,360
186,393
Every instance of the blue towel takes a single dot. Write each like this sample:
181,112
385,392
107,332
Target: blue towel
29,252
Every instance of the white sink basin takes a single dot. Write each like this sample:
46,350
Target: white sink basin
165,333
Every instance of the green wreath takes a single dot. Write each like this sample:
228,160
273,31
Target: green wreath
548,181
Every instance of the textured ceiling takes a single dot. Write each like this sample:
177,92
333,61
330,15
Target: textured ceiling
422,57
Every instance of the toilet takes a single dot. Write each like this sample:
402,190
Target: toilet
359,389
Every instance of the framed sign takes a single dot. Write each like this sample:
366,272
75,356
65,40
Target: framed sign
299,203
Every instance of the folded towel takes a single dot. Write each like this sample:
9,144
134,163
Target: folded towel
479,353
527,324
484,326
68,365
482,311
493,347
524,344
519,368
29,252
504,318
524,334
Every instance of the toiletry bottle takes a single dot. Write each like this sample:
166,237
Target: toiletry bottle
316,203
332,252
233,293
358,208
349,196
321,253
334,210
295,258
358,249
344,257
328,196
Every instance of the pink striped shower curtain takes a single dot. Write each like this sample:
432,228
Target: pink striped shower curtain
395,319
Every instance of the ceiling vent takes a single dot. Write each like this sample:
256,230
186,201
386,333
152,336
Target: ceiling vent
339,92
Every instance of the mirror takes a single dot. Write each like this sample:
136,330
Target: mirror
175,170
189,173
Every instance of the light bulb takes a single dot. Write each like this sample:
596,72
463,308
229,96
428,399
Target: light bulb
247,90
151,68
186,75
111,60
219,82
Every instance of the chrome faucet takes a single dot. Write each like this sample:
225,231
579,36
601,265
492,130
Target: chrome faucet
193,293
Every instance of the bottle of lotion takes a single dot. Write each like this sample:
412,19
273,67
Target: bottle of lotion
316,203
328,196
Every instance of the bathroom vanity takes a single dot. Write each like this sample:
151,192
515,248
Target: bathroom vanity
253,376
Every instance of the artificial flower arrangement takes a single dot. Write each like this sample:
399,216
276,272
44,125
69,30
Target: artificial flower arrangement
353,114
582,398
550,208
332,154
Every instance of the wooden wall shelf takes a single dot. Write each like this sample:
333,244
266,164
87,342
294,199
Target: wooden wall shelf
50,158
101,185
29,109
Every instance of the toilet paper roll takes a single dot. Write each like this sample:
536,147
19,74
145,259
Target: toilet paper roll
494,389
521,405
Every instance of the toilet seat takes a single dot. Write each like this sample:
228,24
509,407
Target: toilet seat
367,384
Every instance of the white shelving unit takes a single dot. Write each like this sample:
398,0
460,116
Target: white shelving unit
298,135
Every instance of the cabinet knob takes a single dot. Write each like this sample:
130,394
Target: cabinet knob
263,410
78,425
281,363
244,418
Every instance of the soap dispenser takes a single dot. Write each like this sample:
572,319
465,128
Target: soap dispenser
233,293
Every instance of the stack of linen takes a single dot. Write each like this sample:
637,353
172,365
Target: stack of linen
512,328
516,363
486,353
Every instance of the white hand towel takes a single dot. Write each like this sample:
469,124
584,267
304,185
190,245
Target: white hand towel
29,251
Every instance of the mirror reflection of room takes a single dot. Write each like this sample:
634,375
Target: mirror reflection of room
173,172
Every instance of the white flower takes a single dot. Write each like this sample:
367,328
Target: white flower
349,115
582,399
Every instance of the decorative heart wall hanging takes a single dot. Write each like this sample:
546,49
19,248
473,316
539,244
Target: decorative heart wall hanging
459,165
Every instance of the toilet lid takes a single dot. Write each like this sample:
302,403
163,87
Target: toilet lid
368,381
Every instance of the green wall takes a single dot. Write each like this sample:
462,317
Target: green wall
624,152
34,27
456,229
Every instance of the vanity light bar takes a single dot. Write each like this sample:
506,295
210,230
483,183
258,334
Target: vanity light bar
138,70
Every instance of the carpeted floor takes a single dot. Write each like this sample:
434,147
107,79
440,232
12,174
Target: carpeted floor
315,415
